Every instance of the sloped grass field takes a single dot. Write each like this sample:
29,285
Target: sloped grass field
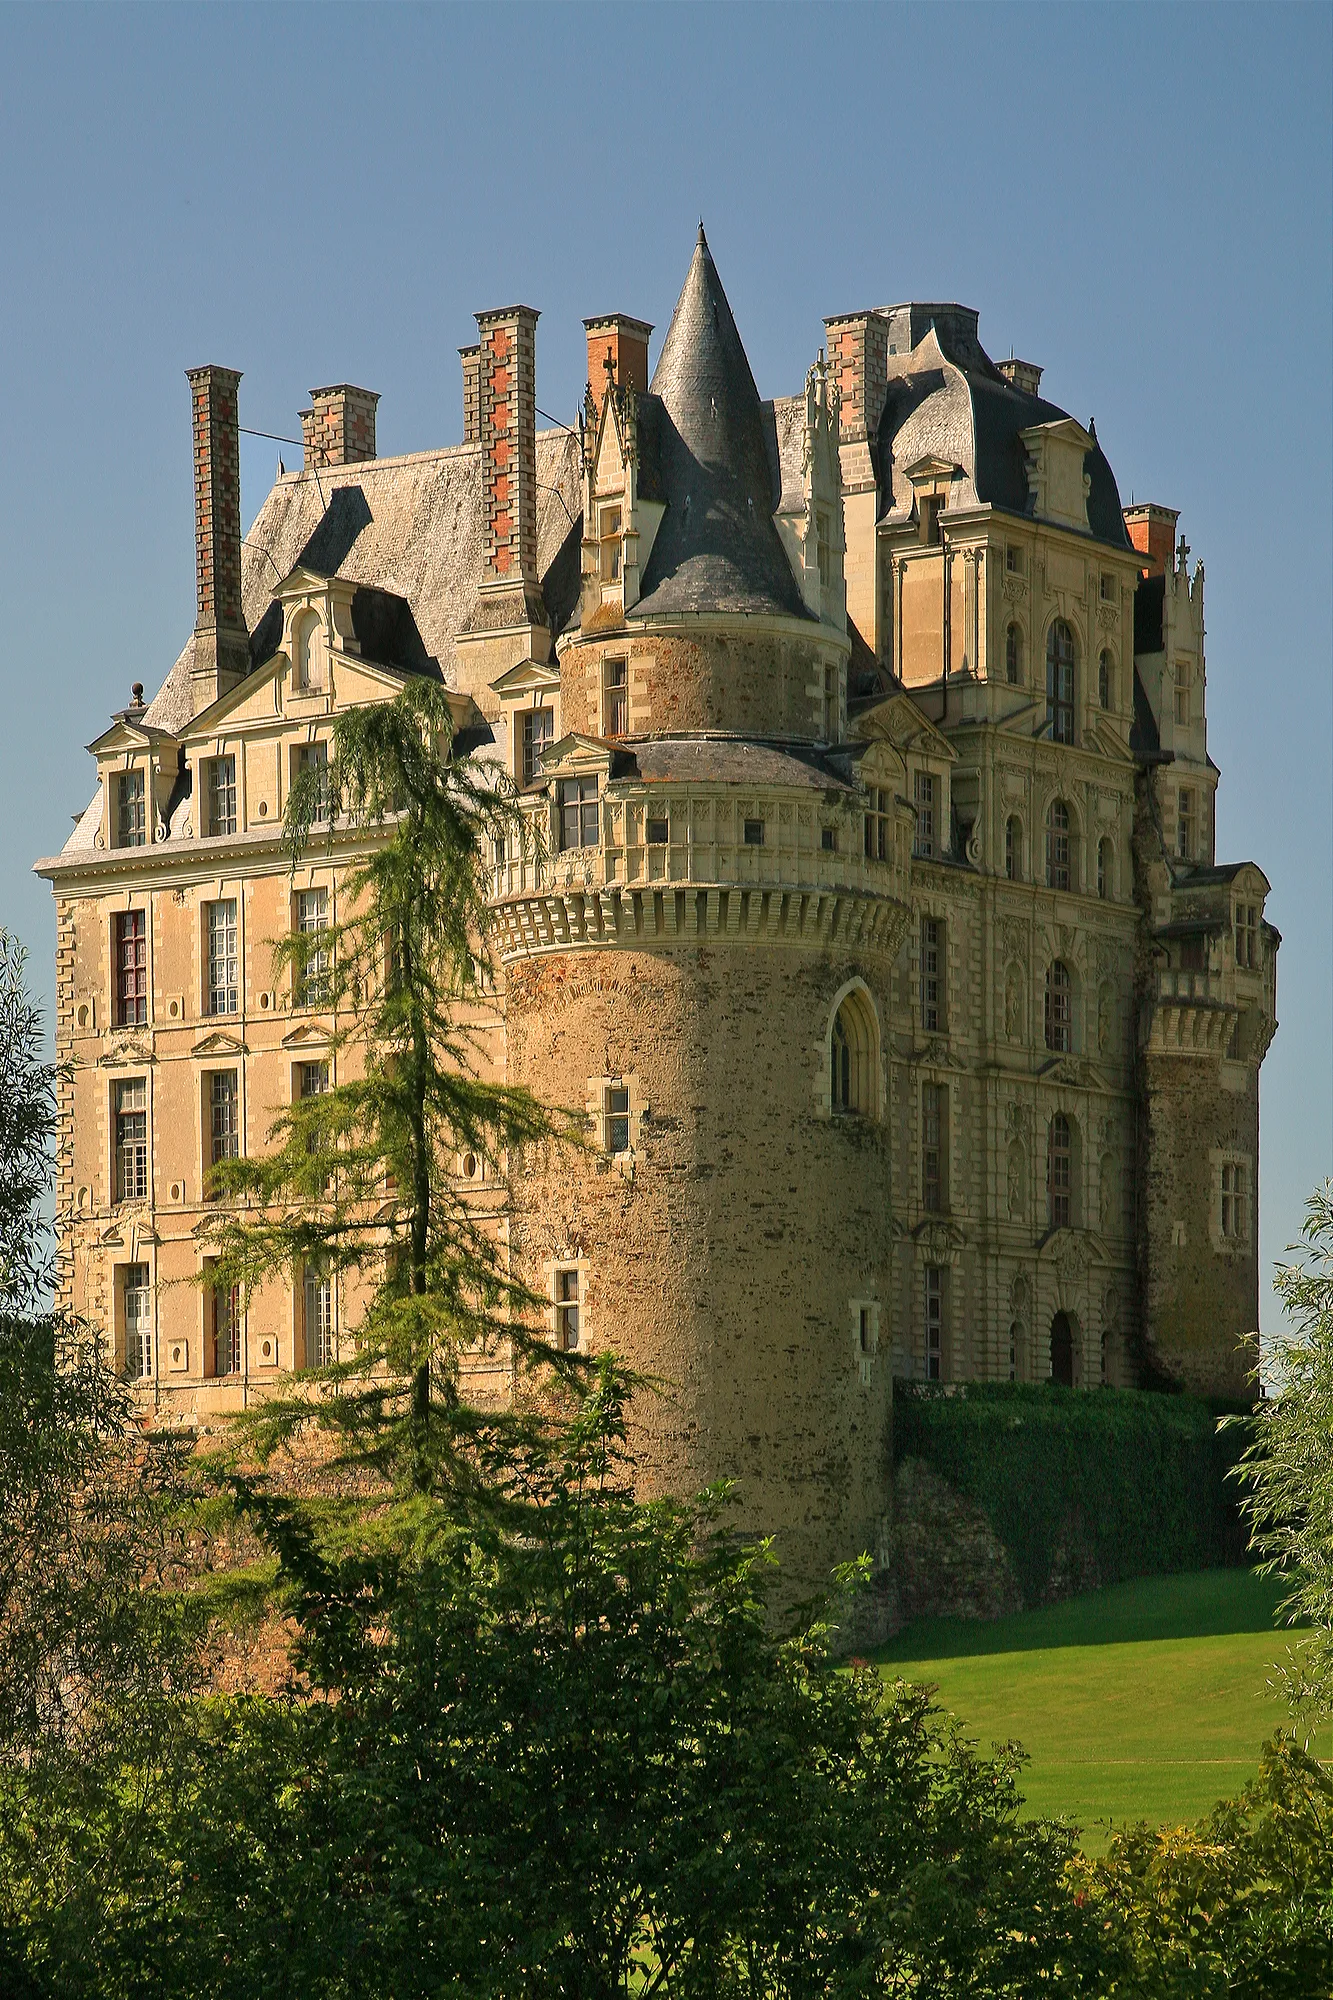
1144,1701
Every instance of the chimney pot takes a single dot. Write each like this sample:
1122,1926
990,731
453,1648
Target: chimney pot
339,427
858,351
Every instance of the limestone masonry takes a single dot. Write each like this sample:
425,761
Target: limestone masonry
877,921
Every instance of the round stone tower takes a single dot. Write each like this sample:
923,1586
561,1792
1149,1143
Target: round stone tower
698,947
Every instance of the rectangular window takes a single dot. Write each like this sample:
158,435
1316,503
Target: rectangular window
933,1104
132,1140
1182,679
318,1319
131,816
1247,934
223,982
1108,588
1186,822
610,540
578,813
226,1329
615,698
934,1321
924,844
312,1079
932,974
221,795
828,839
754,833
537,727
224,1116
312,919
659,832
315,757
136,1307
830,706
1013,560
567,1311
617,1118
877,825
131,951
1235,1215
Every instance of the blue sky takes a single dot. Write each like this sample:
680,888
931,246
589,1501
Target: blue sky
1137,198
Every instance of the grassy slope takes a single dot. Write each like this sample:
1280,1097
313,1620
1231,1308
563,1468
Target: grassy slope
1146,1701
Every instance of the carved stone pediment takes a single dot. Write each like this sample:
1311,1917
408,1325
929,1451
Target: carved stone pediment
127,1050
939,1241
310,1035
219,1044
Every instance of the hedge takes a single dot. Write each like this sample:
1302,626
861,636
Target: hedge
1113,1483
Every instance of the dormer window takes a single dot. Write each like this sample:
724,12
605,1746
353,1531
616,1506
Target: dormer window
221,795
1108,588
308,651
536,730
931,506
1247,934
578,813
1013,560
609,531
131,811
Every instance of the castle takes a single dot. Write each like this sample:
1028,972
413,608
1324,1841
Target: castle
877,921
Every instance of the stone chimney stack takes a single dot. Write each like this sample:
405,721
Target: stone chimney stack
858,351
221,642
507,406
624,343
1024,375
471,360
1152,530
339,427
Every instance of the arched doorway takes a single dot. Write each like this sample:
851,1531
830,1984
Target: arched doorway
1062,1350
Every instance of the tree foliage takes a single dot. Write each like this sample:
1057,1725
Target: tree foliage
1287,1466
361,1180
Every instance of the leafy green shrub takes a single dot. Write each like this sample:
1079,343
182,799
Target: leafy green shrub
1081,1489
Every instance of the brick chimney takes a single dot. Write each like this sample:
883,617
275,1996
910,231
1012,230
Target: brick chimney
507,405
471,360
858,350
221,642
624,343
339,427
1152,530
1023,375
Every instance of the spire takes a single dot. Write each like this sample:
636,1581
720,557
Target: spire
718,547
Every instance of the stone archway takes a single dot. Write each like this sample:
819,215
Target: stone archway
1062,1350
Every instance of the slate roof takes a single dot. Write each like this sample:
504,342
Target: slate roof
947,399
717,468
726,760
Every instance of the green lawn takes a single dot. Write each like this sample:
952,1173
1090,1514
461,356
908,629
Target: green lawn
1146,1701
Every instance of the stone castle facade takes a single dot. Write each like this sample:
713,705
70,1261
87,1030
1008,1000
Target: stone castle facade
876,918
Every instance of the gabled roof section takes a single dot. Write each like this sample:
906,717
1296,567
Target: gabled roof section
897,720
717,548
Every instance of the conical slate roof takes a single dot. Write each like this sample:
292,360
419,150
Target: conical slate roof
717,548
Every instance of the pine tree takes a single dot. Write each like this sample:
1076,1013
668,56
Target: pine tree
359,1178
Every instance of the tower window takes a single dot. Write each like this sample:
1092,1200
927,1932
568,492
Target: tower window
1059,1173
132,1140
537,725
610,520
131,940
221,795
615,697
659,831
1235,1207
830,705
1060,682
1013,655
934,1291
1059,874
1186,824
1182,693
1013,848
1247,934
1104,856
854,1057
1105,680
932,974
1059,1008
754,833
877,825
924,788
616,1113
131,819
934,1104
223,984
567,1311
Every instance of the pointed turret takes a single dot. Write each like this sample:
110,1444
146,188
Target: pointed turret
718,548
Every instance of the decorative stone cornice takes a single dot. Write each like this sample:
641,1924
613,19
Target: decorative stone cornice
571,918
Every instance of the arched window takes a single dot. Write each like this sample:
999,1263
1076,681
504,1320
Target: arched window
1059,1173
854,1057
1013,848
308,651
1060,682
1104,855
1062,1350
1059,869
1013,656
1059,1008
1105,680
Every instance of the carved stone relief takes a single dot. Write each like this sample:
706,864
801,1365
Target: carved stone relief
1017,1181
1013,1003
